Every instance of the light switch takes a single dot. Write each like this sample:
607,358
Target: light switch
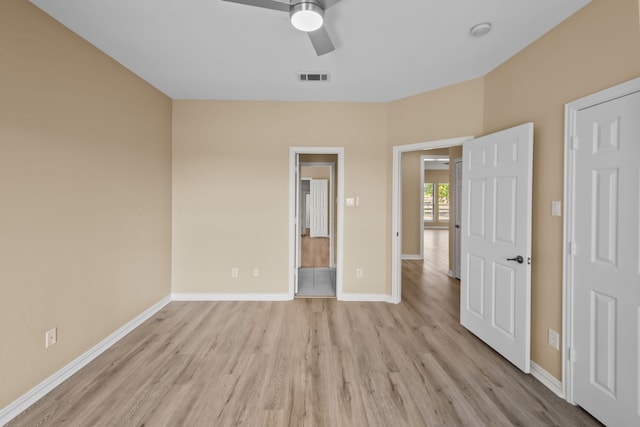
350,202
556,208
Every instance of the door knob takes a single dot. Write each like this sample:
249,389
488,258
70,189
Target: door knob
519,259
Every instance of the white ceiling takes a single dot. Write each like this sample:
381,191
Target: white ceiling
385,50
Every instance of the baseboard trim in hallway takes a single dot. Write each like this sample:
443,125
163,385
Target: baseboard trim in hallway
229,297
366,297
42,389
547,379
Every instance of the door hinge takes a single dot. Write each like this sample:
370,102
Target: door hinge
571,354
573,249
575,142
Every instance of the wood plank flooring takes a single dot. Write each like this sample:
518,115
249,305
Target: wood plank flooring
314,252
307,362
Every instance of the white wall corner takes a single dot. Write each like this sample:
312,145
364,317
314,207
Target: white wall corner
38,392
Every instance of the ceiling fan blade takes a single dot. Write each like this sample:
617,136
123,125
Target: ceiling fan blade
321,41
329,3
267,4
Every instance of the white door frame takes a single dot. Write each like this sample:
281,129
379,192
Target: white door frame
293,207
421,216
457,211
571,112
299,223
396,206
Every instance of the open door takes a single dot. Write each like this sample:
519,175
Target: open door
495,293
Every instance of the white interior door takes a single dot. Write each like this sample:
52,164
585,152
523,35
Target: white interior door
319,212
495,295
457,234
307,216
606,261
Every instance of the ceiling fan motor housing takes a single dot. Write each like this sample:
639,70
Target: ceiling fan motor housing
307,15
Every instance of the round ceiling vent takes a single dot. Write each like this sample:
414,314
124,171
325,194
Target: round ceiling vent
480,29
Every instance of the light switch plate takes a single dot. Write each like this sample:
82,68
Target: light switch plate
556,208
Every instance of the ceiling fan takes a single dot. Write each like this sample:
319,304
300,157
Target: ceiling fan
306,15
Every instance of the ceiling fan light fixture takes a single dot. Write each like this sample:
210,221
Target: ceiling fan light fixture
306,16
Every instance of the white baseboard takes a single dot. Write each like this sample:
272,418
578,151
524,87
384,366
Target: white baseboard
551,382
412,257
366,297
230,297
39,391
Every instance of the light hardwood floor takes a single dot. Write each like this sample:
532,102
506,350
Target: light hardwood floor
315,252
307,362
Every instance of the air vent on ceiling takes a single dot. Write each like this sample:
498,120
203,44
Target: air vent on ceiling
313,77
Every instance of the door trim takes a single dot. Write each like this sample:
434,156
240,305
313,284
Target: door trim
570,113
339,206
396,206
421,216
457,203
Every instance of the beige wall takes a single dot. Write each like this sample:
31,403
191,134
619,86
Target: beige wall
596,48
450,112
411,219
225,150
315,172
85,172
85,164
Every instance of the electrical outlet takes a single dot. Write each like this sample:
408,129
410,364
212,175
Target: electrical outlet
358,273
256,272
50,337
235,272
554,339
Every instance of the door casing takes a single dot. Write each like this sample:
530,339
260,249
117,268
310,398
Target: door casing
457,220
294,178
396,206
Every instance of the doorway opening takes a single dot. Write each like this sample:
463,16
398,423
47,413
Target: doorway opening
397,205
436,173
316,189
316,269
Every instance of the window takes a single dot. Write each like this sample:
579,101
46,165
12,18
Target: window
443,202
429,215
436,203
